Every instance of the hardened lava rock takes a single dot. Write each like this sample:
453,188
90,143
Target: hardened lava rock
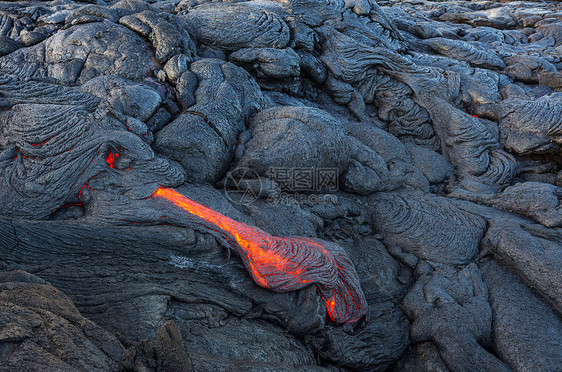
301,185
42,330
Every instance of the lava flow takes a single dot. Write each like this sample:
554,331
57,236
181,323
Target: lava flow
285,264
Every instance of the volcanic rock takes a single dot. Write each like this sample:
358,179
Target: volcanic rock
303,185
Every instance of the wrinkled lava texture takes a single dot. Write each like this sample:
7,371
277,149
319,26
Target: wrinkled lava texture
286,264
280,185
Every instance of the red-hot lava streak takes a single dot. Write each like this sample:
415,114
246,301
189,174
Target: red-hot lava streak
285,264
111,159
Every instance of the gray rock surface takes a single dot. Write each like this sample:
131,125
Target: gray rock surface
442,294
429,227
303,185
42,330
542,352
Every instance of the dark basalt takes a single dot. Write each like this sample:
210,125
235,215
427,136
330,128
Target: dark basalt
303,185
42,330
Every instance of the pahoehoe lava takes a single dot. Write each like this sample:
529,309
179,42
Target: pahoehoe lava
285,264
280,185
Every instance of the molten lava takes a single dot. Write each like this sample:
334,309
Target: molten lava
468,112
285,264
111,159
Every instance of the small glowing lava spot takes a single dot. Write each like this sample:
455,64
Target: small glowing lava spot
111,158
466,110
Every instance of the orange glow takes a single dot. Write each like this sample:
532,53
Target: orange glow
466,110
331,306
111,158
280,263
253,241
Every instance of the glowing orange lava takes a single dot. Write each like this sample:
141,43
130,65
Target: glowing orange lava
254,241
468,112
111,159
284,263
